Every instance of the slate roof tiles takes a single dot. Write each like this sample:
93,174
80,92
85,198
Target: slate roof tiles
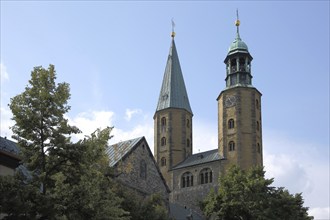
173,93
200,158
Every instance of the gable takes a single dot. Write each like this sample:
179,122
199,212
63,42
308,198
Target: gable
136,167
119,151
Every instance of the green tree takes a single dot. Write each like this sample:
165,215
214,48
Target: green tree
65,180
247,195
40,127
83,188
16,197
141,207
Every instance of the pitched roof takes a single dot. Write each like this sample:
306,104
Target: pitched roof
117,151
173,93
200,158
9,155
121,150
8,146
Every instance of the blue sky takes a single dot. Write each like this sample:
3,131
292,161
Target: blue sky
113,55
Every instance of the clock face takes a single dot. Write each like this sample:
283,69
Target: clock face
230,101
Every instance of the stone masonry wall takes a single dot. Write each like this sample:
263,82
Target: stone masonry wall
191,196
150,181
246,113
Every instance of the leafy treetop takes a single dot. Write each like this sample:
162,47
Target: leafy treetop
247,195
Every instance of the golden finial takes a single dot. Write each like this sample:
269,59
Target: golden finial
237,22
173,25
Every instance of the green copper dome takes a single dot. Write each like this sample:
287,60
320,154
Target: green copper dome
238,44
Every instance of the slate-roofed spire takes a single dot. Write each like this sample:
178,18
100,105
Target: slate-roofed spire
173,93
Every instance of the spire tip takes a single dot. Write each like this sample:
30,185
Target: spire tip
237,22
173,25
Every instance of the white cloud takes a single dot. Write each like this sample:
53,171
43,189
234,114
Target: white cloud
5,122
288,172
5,113
144,129
130,112
88,122
320,213
299,166
3,73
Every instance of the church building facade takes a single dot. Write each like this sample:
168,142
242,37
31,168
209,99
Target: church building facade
189,176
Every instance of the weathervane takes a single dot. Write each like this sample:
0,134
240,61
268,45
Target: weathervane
173,25
237,23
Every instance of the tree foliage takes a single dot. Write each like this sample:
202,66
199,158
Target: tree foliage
40,127
141,207
65,180
15,197
82,189
247,195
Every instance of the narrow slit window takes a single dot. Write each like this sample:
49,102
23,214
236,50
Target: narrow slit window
163,141
231,123
231,146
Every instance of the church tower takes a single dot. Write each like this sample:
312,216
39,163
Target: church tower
173,118
239,110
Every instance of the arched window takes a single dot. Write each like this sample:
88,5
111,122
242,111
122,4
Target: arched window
163,141
242,78
233,79
233,65
163,123
188,123
258,126
231,146
188,143
241,64
187,180
205,176
257,103
143,169
143,148
258,148
163,161
231,123
163,120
